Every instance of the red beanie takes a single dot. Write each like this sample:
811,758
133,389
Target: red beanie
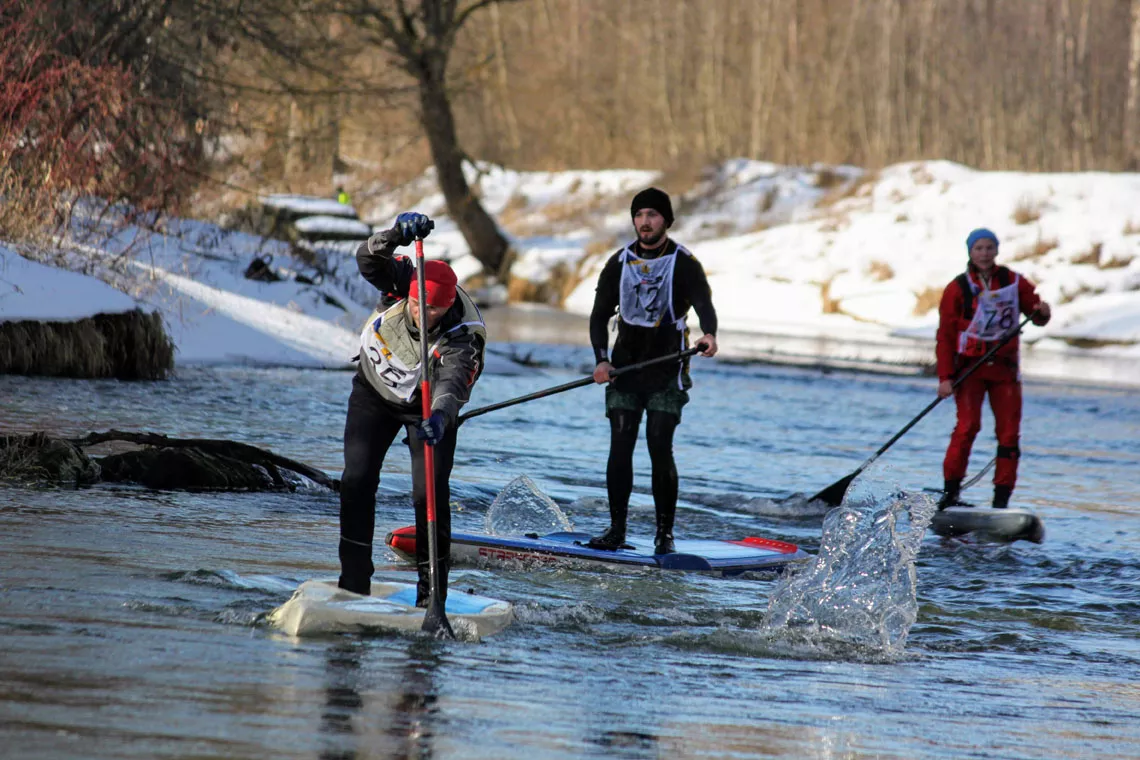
440,281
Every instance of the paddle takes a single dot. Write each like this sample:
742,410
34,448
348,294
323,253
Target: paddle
833,494
435,618
580,383
972,481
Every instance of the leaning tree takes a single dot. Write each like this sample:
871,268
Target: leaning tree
420,36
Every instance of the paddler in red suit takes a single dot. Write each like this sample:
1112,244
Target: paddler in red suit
979,307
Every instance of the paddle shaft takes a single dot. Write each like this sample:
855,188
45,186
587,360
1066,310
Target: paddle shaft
579,383
435,618
958,381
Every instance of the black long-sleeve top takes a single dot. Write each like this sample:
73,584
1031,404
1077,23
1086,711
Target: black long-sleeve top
634,344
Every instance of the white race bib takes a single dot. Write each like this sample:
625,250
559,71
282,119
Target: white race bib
995,314
646,289
397,376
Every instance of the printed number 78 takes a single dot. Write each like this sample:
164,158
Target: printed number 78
1005,321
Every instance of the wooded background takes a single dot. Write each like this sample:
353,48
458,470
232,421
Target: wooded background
1036,85
249,98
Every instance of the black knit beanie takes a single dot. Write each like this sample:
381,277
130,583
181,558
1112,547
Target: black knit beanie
658,200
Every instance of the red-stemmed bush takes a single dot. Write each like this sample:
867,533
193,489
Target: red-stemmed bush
75,123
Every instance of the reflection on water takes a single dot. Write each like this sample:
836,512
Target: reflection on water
132,620
398,719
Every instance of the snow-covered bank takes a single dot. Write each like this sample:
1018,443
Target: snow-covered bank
830,263
807,264
870,267
33,291
213,313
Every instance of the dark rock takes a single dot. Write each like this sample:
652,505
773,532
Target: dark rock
187,468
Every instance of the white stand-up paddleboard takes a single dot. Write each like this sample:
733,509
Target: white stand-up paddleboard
1004,525
320,607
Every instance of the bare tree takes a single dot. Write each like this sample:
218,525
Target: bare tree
421,37
1132,108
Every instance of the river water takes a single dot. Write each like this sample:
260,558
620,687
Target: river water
133,621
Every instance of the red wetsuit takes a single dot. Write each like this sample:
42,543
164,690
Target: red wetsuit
999,376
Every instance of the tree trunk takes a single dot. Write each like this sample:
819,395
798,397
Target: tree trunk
487,244
1132,107
513,139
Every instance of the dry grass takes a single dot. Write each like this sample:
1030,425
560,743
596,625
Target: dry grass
1068,297
1115,263
921,175
825,179
37,458
1027,210
575,211
902,218
711,230
19,460
1131,228
514,208
1039,249
927,300
1091,256
131,346
680,179
600,246
861,188
522,290
768,200
1095,343
880,271
561,282
828,305
833,224
27,216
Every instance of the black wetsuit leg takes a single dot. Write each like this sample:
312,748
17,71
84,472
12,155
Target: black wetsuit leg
624,425
444,459
659,429
369,430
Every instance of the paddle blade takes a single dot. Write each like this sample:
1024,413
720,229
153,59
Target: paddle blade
833,494
435,620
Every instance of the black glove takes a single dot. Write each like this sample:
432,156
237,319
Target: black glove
431,430
412,226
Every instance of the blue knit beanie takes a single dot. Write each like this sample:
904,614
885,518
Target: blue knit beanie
979,234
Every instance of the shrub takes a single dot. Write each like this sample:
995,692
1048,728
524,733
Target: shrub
1027,210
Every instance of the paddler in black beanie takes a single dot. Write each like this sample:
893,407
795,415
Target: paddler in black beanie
651,284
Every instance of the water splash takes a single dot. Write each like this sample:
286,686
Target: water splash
857,597
798,505
521,507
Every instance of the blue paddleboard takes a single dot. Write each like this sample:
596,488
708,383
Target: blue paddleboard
570,548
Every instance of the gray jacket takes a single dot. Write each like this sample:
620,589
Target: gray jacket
457,342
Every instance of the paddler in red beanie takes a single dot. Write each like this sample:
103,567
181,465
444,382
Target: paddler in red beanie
980,306
385,398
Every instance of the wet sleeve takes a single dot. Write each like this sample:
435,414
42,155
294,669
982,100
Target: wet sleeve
457,365
946,347
388,273
605,306
1027,297
700,296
